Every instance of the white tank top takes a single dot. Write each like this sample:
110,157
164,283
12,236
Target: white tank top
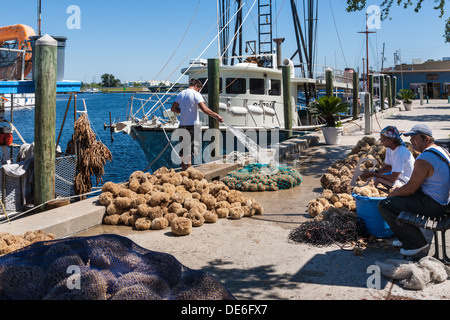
438,185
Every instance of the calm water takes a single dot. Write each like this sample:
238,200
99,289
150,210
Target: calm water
127,155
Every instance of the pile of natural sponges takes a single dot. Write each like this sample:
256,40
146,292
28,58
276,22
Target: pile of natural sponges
10,242
336,182
339,175
331,202
181,200
370,191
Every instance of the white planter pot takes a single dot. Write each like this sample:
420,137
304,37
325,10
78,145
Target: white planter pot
332,135
408,106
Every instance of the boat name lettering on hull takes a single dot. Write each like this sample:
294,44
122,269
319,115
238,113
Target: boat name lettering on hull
265,104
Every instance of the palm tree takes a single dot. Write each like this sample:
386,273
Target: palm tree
328,108
406,95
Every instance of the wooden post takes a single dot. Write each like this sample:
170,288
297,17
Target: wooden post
382,93
287,101
355,94
389,91
372,110
367,114
394,91
421,94
45,119
329,82
213,100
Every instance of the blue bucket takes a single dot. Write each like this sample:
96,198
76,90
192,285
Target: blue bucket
367,210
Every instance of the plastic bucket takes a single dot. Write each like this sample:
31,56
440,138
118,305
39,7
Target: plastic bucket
367,210
60,56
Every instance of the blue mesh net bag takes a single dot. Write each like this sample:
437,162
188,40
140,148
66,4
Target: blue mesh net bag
105,267
263,177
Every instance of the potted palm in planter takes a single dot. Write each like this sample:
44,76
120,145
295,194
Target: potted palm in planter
407,96
330,108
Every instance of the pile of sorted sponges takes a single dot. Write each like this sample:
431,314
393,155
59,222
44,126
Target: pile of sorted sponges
180,200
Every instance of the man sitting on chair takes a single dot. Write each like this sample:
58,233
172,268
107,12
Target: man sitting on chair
426,192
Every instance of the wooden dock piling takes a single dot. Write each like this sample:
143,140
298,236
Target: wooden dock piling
213,101
389,91
286,75
355,95
329,82
45,119
382,93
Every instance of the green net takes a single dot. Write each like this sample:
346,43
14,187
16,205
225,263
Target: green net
263,177
105,267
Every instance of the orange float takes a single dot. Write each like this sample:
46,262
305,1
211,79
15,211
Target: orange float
20,33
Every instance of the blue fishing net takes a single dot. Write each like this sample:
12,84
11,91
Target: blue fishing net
105,267
263,177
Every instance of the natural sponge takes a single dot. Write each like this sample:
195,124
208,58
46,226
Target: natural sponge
181,226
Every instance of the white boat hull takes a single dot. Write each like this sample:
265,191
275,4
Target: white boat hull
19,100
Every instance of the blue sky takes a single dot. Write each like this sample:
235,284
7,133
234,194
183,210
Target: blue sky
150,39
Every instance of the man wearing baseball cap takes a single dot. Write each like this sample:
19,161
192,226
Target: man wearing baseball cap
426,193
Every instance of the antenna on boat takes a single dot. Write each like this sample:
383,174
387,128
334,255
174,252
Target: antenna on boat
39,17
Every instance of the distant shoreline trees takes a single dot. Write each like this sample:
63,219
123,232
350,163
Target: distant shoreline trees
109,81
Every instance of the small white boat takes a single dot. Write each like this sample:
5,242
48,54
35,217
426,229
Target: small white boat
18,100
92,90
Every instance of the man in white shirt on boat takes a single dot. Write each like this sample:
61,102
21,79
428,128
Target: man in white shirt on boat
187,104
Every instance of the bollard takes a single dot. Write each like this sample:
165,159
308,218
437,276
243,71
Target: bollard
45,119
367,114
213,100
329,82
355,95
372,111
382,92
394,91
421,95
389,91
287,102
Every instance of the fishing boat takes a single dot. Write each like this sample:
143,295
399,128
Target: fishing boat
251,86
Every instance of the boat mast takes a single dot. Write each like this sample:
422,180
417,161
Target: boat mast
367,52
223,14
305,44
39,17
237,34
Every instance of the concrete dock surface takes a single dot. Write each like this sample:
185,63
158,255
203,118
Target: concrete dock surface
253,257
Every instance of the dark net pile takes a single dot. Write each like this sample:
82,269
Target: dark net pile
106,267
336,228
